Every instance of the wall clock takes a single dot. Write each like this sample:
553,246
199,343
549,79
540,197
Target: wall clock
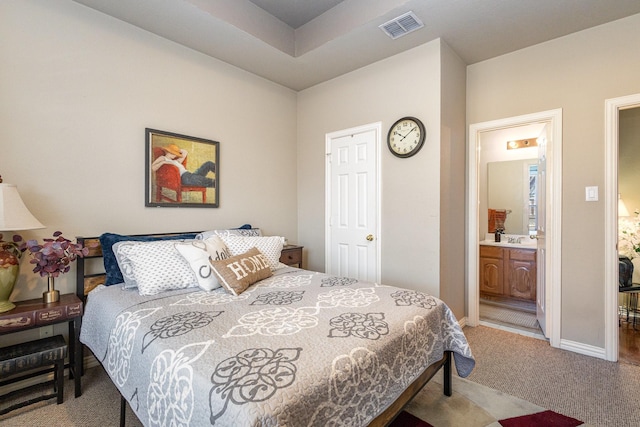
406,137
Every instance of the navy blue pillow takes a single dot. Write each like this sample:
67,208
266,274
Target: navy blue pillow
107,240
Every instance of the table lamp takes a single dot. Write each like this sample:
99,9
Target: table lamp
14,216
622,208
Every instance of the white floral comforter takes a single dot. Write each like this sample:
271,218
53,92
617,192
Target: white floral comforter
297,349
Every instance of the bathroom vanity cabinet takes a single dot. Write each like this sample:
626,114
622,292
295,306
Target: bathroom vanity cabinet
508,272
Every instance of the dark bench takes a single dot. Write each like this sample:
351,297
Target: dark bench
30,356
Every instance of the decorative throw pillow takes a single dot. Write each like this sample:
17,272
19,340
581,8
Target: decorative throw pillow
239,272
271,247
107,240
231,232
157,266
198,253
124,265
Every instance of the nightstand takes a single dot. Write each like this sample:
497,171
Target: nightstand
34,313
292,255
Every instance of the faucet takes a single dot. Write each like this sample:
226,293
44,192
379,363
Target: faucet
515,240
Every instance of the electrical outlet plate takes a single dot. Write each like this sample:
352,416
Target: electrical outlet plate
46,331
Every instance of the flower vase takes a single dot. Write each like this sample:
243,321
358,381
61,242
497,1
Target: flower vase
51,295
9,272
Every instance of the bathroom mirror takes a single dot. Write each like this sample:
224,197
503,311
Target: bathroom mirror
512,186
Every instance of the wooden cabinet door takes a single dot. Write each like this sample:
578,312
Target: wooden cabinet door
521,274
492,276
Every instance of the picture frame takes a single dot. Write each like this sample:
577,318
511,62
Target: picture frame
181,170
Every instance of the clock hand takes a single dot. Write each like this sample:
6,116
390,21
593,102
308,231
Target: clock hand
412,129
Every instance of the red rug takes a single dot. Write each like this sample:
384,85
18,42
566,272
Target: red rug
541,419
405,419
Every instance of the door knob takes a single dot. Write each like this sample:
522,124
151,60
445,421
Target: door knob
370,237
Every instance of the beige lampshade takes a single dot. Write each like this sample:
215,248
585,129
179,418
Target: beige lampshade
14,215
622,208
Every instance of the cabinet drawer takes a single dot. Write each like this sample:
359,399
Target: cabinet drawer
291,255
522,254
490,251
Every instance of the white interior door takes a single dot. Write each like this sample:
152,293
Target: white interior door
353,229
541,217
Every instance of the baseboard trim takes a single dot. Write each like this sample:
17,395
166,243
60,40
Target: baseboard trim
462,322
581,348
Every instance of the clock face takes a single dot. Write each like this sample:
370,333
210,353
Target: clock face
406,137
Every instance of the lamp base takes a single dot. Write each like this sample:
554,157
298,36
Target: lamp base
6,306
8,277
50,296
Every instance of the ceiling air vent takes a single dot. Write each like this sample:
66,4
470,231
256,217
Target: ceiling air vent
402,25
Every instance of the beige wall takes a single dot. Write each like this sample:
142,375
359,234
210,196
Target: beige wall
78,88
452,180
576,73
408,84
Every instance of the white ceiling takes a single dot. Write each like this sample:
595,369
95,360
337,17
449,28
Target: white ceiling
296,13
300,43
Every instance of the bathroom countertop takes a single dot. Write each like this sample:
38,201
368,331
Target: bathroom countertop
527,245
527,242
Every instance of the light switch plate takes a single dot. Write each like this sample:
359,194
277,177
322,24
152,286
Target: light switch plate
591,194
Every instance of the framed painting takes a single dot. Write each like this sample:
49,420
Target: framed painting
181,171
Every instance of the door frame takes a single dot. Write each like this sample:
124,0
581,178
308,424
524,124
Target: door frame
553,276
377,128
612,110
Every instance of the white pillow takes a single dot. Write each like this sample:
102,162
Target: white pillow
157,266
198,253
231,232
271,247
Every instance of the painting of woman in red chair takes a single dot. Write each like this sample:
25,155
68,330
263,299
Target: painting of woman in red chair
175,183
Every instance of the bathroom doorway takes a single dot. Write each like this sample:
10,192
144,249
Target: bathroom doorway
548,126
508,222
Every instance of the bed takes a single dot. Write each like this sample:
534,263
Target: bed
297,348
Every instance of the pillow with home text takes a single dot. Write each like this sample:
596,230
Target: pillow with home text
239,272
271,247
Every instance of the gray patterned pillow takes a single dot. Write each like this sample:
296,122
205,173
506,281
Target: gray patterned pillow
156,266
271,247
124,263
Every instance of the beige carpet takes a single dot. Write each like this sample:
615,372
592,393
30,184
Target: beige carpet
593,390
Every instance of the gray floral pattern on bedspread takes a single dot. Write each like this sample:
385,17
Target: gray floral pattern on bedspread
296,349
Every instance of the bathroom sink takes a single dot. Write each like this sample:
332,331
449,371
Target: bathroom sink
506,244
525,242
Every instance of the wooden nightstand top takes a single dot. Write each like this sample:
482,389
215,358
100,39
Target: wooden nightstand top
34,313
